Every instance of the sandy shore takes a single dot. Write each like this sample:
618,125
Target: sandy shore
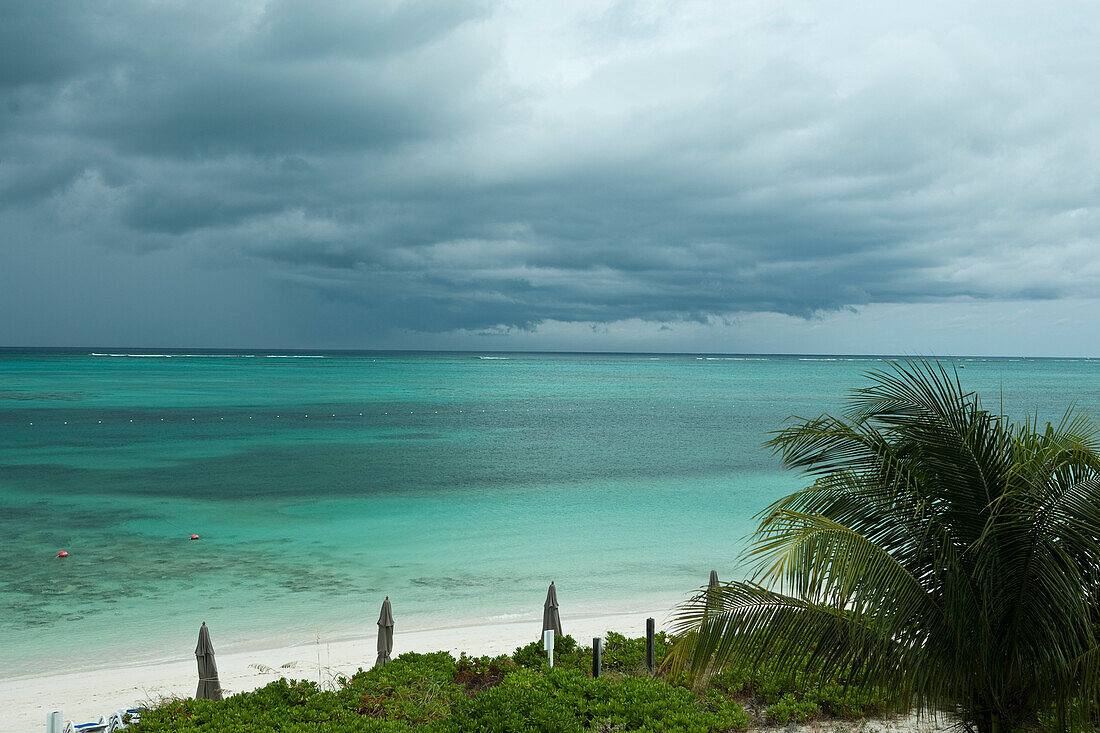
84,696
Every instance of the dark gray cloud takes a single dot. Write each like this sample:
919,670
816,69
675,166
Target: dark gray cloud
343,174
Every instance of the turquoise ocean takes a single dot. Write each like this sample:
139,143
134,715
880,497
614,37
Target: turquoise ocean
459,484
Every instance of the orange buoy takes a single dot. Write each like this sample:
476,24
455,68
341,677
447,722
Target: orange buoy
63,553
194,536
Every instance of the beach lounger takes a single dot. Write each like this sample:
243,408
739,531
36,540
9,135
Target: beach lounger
100,727
118,719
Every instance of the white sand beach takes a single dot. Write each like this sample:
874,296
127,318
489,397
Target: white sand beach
84,696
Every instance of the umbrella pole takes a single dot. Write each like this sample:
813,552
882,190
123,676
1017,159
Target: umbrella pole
548,644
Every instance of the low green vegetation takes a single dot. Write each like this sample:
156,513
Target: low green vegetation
438,693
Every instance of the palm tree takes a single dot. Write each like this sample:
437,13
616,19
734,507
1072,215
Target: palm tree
940,551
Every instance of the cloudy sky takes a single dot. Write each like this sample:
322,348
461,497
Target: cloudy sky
731,176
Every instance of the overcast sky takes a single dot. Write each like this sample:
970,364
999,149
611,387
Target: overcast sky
916,178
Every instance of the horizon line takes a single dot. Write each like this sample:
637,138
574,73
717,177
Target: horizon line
183,350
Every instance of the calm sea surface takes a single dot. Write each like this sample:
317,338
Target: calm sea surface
457,484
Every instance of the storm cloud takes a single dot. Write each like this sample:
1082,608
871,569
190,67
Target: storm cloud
398,173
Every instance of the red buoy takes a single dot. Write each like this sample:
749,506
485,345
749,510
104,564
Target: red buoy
194,536
63,553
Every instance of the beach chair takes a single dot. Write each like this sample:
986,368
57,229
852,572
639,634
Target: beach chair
100,727
118,719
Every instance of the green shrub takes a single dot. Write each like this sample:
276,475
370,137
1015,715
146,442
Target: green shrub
531,656
417,688
628,655
646,704
475,674
568,700
766,683
567,655
289,707
522,703
733,680
788,708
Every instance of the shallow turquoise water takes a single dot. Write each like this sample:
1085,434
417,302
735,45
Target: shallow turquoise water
460,486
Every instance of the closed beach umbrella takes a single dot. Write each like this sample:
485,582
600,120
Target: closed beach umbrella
712,590
385,633
550,617
209,687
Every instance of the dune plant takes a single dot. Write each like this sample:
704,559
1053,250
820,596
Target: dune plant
941,551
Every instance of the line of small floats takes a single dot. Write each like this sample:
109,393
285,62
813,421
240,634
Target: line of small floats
65,553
